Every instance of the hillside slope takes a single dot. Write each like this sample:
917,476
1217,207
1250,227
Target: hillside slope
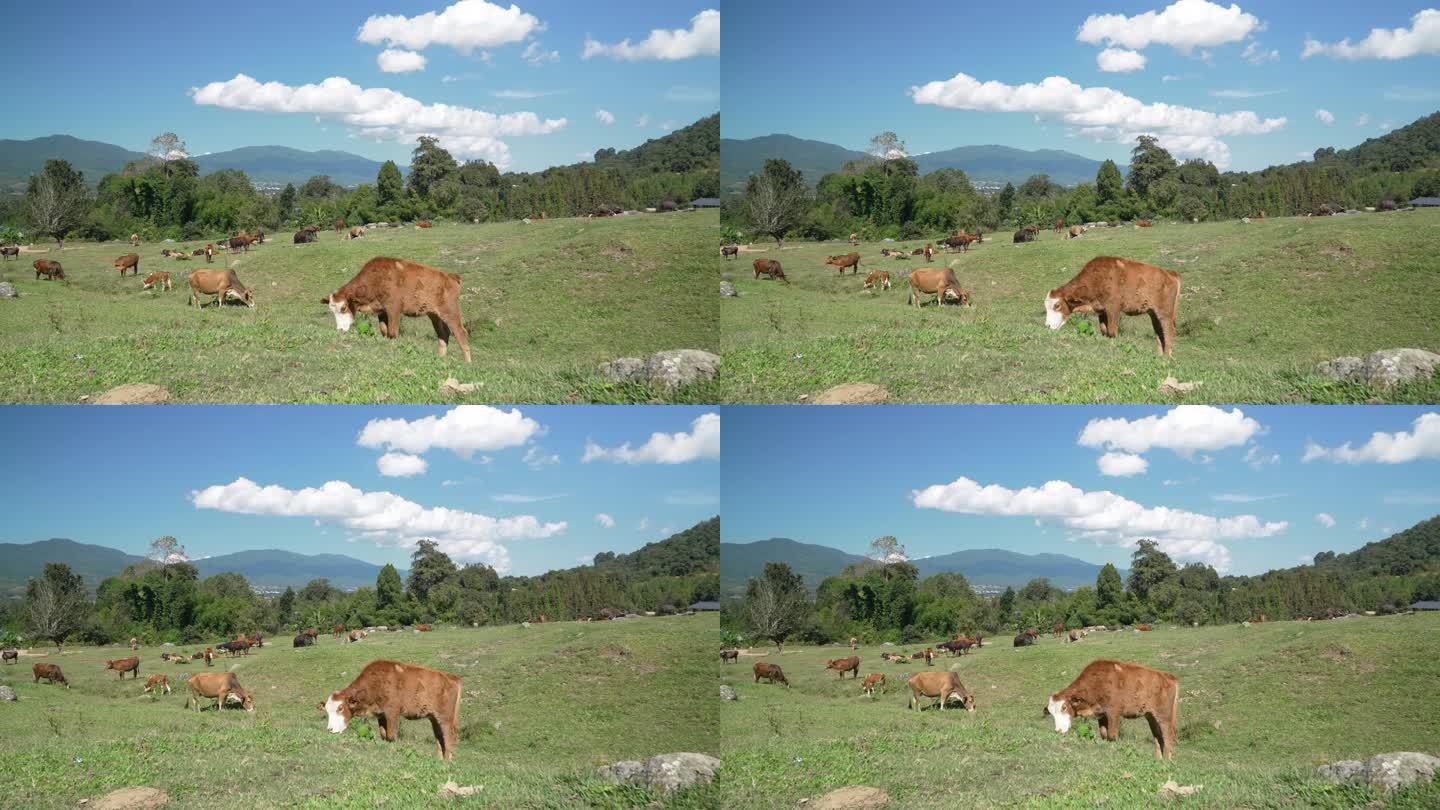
20,561
20,159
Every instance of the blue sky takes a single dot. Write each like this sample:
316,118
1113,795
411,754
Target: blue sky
122,72
842,71
1228,486
524,498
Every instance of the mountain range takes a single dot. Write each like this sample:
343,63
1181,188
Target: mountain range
265,569
988,164
983,567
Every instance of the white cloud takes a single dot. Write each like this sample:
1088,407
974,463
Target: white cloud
395,60
1386,125
1258,458
401,465
464,26
1363,524
1183,25
536,54
1122,465
1256,55
1119,60
1171,482
537,458
1184,429
450,482
1242,497
525,94
382,517
643,524
512,497
382,114
703,441
668,125
1103,516
702,38
462,430
604,520
1325,519
1171,78
1101,113
1362,120
1422,37
605,117
1325,117
585,559
643,120
1385,448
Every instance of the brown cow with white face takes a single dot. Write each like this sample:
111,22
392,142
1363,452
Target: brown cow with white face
160,278
937,281
390,288
219,283
390,690
1110,690
157,681
1111,286
879,278
872,682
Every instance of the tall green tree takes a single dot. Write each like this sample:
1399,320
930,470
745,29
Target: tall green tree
1149,164
1007,604
285,605
430,163
389,590
429,567
1109,184
1006,200
1109,590
286,201
389,185
1149,568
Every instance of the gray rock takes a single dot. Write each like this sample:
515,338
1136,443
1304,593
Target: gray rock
7,693
7,290
669,370
1386,368
728,693
727,290
1388,772
665,773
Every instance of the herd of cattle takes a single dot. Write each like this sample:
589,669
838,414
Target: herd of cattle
1106,690
387,690
1108,286
386,287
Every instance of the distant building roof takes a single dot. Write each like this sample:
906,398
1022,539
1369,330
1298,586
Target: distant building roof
705,606
1425,606
1425,201
714,202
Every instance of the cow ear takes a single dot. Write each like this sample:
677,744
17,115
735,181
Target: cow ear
325,300
1077,701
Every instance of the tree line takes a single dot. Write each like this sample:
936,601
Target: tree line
164,197
885,196
163,598
883,598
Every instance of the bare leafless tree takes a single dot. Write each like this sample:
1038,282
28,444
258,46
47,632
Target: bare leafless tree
57,209
776,207
53,612
776,609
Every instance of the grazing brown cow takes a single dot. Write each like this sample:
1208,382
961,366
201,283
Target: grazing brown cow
942,685
770,672
390,690
877,277
157,681
1022,236
337,631
234,648
219,283
1110,690
1144,628
160,277
1024,640
770,268
51,673
357,232
424,223
339,225
730,655
850,260
727,251
220,686
424,628
390,288
959,646
872,682
9,251
843,665
124,665
11,656
936,281
49,269
1110,286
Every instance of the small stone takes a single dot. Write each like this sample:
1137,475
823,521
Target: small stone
7,290
8,694
727,290
726,693
665,773
1383,369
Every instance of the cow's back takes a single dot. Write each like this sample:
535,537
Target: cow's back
1128,283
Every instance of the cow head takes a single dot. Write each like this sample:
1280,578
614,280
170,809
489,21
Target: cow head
966,699
1057,310
342,310
337,713
245,296
1064,710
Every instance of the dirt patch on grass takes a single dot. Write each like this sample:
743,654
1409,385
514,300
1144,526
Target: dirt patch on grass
1337,250
616,250
614,651
1335,652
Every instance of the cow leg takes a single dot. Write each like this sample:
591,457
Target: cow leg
392,321
1158,733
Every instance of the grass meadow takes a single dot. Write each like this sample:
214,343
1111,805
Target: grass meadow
544,303
1260,708
1261,305
542,707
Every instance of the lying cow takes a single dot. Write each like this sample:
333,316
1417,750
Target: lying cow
390,690
770,672
942,685
1110,690
937,281
1024,640
850,260
424,223
124,665
872,682
390,288
161,278
174,658
221,284
1110,286
1145,628
1075,231
425,628
304,640
51,673
843,665
770,268
878,277
51,270
303,237
356,635
357,232
158,682
130,261
220,686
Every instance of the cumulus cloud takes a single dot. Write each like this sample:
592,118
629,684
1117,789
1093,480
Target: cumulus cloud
703,441
1102,516
604,520
401,465
464,26
382,114
1257,55
702,38
1325,117
1257,458
1119,60
1324,519
1122,465
1385,448
1101,113
536,54
605,117
1184,429
1183,25
382,517
1422,37
537,458
463,430
395,60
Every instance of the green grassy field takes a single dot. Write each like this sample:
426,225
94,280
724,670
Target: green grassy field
544,304
542,707
1260,707
1261,305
